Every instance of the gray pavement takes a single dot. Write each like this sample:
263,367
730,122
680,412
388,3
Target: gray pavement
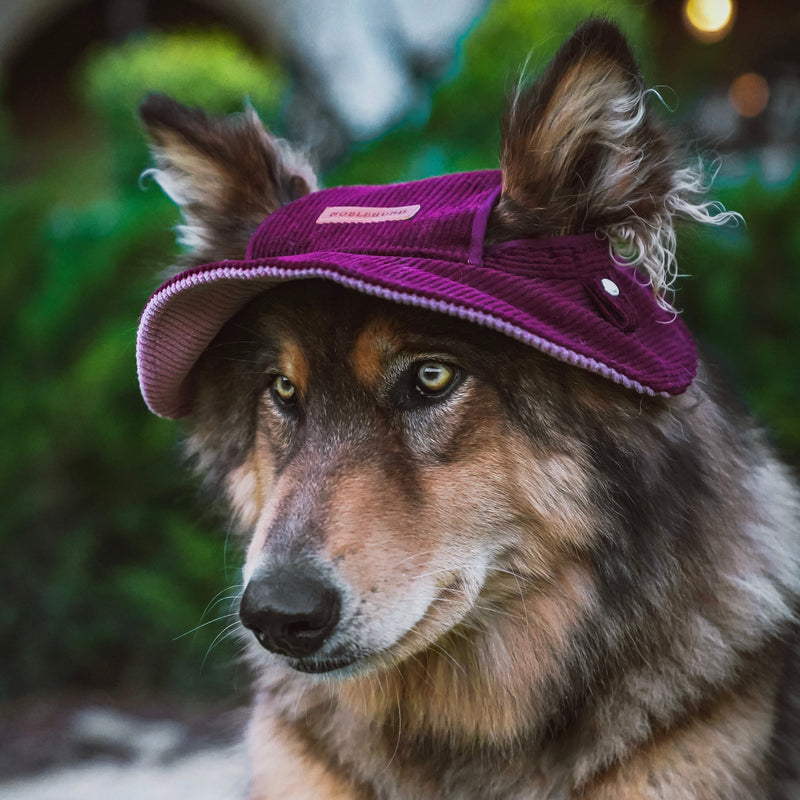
216,774
103,753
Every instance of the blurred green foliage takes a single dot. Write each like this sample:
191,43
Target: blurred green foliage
462,132
103,561
108,553
742,296
207,69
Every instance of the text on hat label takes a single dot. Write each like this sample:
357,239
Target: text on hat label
366,214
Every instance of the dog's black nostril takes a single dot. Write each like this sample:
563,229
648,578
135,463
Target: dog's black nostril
292,610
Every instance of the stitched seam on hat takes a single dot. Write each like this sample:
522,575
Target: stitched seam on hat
479,223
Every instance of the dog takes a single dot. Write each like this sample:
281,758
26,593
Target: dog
507,537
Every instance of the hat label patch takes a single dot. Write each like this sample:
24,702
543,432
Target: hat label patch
366,214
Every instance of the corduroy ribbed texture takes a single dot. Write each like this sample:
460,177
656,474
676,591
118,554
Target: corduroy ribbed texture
553,294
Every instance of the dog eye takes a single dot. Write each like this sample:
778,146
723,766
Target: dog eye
434,378
283,389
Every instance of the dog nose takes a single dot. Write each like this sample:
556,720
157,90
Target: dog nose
292,610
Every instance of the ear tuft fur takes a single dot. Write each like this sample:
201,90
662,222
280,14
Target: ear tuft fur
225,173
582,152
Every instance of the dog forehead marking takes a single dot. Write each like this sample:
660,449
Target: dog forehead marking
294,364
375,345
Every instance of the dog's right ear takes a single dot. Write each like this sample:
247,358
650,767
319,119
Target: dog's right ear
225,173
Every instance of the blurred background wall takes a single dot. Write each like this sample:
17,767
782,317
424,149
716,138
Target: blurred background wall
115,577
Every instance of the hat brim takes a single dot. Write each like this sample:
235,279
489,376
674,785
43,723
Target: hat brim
556,315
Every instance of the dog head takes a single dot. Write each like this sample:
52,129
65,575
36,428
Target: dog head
374,453
402,473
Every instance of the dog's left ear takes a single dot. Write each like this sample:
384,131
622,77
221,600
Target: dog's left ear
582,152
225,173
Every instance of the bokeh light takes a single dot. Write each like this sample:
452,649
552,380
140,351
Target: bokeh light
709,20
749,94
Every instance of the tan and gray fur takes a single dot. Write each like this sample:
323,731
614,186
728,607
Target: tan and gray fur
548,587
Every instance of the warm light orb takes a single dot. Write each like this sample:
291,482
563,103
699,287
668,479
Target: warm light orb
709,20
749,94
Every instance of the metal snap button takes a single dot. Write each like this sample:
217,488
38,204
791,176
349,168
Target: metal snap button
610,287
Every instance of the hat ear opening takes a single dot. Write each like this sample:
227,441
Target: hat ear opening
226,174
582,152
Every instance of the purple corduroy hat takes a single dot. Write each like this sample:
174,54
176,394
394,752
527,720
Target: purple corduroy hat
421,243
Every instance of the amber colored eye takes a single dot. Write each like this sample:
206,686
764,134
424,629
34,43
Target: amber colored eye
433,377
284,389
